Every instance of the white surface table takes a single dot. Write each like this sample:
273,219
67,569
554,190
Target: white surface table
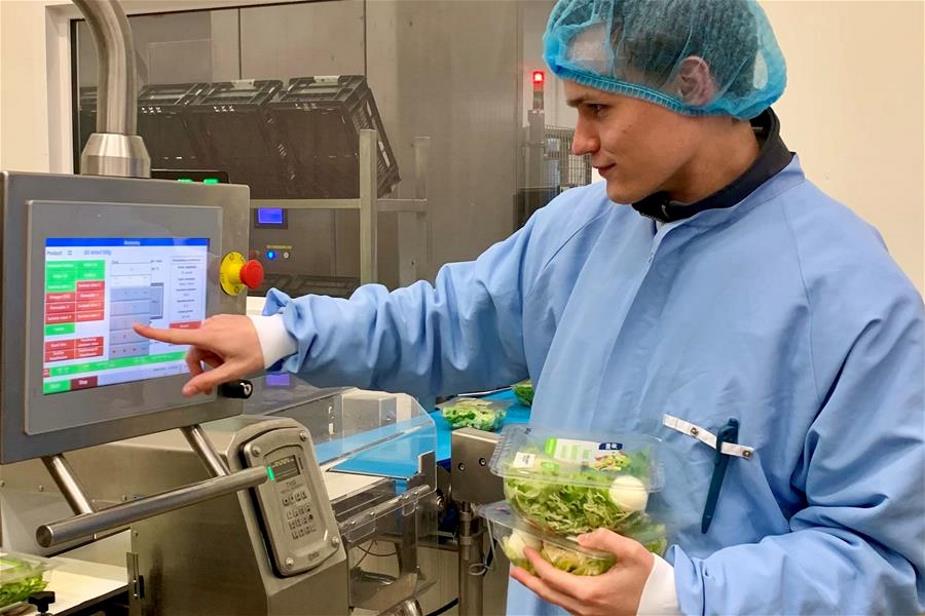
78,584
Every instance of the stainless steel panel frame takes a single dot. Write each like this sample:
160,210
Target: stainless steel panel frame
471,480
415,246
212,558
16,189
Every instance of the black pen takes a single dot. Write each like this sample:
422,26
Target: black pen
727,434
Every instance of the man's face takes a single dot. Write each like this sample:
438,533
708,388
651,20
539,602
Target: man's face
640,148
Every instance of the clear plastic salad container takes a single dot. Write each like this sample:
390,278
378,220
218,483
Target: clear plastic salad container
20,576
523,391
475,413
570,484
513,534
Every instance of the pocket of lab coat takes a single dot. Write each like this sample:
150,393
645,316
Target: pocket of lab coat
741,512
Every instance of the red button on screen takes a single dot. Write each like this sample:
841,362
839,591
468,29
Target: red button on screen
93,315
85,382
64,317
186,325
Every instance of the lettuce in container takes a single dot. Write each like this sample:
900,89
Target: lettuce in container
523,391
514,535
20,576
486,415
569,484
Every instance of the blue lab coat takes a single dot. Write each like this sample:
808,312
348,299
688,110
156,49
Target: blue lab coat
784,311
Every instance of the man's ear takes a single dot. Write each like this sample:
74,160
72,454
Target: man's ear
695,85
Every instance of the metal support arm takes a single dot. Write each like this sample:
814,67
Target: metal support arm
470,553
87,524
67,482
200,443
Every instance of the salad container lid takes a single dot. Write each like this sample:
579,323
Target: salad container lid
15,566
627,463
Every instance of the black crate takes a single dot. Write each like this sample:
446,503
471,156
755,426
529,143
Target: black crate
232,121
318,120
162,122
299,141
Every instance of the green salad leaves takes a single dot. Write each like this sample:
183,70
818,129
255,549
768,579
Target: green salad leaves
570,500
16,583
571,561
473,413
524,392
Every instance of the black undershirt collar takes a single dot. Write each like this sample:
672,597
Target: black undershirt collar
773,156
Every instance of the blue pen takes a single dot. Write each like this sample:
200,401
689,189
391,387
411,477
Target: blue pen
727,434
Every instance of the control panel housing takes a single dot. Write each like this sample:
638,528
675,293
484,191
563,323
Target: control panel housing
298,521
82,259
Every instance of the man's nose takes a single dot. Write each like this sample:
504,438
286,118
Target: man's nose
585,140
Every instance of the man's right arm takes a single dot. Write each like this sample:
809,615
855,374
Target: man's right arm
464,332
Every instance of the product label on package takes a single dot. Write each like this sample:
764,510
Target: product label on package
523,459
579,452
531,461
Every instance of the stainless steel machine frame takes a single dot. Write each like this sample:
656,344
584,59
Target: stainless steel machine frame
214,545
397,512
39,205
414,226
472,484
215,557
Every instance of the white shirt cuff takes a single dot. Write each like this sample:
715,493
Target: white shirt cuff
659,596
275,341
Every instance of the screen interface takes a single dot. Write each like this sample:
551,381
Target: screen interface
96,288
284,469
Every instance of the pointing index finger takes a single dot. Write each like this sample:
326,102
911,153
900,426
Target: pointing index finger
170,336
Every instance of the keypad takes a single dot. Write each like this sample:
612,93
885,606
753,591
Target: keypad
298,512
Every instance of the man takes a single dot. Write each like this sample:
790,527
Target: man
731,288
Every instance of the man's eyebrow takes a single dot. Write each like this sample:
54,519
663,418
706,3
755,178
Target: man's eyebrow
578,100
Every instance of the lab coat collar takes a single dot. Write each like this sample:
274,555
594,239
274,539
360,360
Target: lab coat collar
773,157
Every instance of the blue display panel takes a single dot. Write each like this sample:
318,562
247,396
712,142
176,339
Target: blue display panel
97,288
271,216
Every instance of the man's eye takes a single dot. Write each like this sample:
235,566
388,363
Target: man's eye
596,109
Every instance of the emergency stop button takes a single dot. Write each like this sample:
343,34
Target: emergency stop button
237,273
252,274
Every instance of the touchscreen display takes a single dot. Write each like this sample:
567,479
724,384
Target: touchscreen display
96,288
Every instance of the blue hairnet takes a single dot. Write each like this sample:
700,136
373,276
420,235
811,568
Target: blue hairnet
639,47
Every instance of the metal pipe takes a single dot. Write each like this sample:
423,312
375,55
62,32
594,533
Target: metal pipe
410,607
470,553
117,96
200,443
67,482
308,204
421,166
114,149
87,524
369,191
